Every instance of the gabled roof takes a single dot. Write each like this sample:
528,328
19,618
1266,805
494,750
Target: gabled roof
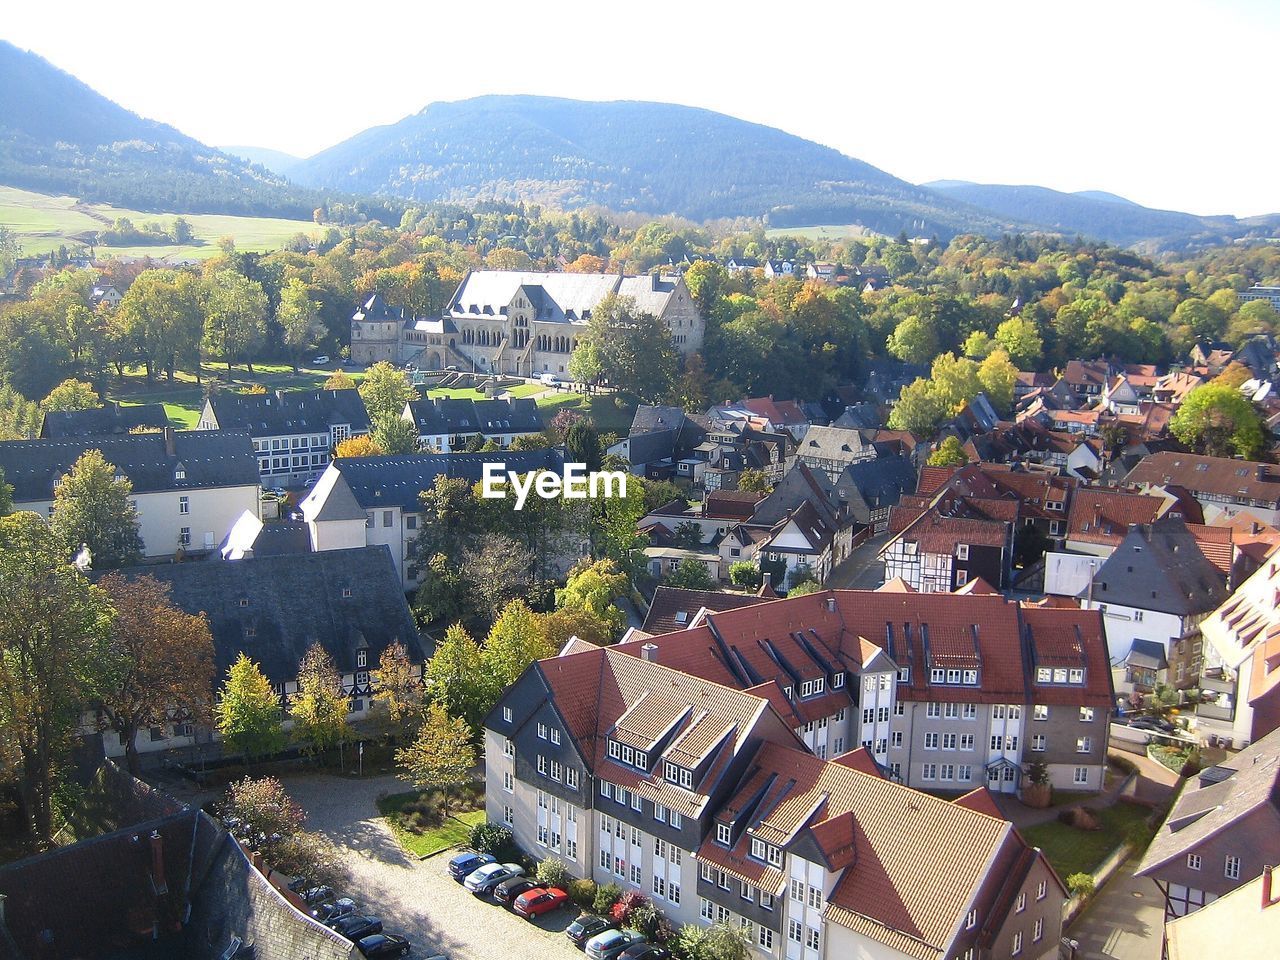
1103,516
872,485
834,443
674,608
557,297
289,412
111,418
1159,566
487,417
1213,475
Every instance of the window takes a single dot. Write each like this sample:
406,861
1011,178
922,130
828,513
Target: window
1081,775
815,897
933,710
970,712
184,504
659,812
837,681
1077,676
904,674
966,741
971,677
1022,902
542,731
766,938
971,920
812,938
1040,712
508,815
895,738
706,871
744,890
899,709
1037,743
1193,861
797,891
1231,869
1042,888
937,675
637,877
722,880
346,593
1086,714
675,820
184,536
930,772
386,518
948,741
571,778
637,802
723,833
411,523
508,782
950,710
542,765
1084,744
964,773
705,910
1017,944
557,771
931,741
948,772
1037,932
508,747
606,788
996,743
962,551
795,930
1043,675
673,892
953,676
758,848
555,735
774,856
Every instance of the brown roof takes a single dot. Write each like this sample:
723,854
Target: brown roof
674,608
1210,475
1103,516
1216,545
933,479
731,504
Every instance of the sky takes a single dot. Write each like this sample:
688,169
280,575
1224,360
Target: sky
1169,103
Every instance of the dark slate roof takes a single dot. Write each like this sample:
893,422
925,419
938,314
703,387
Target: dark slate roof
861,416
274,608
289,412
1147,653
453,416
651,447
656,417
112,418
397,481
209,458
1159,566
673,608
376,310
874,484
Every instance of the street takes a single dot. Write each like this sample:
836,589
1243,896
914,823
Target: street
862,569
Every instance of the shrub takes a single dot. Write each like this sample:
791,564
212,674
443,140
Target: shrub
648,920
554,873
605,898
583,893
628,904
493,839
1038,772
744,574
1080,885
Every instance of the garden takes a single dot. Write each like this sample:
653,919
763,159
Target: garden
1082,838
426,822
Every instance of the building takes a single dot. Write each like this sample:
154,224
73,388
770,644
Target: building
872,488
113,418
1224,487
942,542
675,608
522,323
1244,924
189,487
832,449
1260,292
107,297
1222,831
294,432
699,796
447,425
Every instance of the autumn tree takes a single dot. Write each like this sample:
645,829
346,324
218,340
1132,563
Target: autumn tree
753,480
385,391
949,454
55,657
914,341
399,688
69,395
917,410
632,348
592,587
319,708
166,658
92,507
953,381
998,377
339,380
455,677
359,446
248,714
1021,340
271,823
515,641
496,570
442,755
396,436
299,319
1219,421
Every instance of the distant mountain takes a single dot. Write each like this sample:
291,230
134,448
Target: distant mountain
274,160
59,136
1102,215
652,158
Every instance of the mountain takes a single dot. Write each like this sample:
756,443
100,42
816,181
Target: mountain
57,135
274,160
1102,215
652,158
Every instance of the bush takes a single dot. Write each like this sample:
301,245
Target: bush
605,898
628,904
744,574
583,893
493,839
649,921
1080,885
554,873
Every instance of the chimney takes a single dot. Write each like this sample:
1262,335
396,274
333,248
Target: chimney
766,580
831,604
170,444
649,652
157,864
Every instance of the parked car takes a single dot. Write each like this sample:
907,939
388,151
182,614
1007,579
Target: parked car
317,895
483,881
607,945
332,911
356,926
384,945
508,890
534,903
1152,723
451,369
320,360
586,927
645,951
467,863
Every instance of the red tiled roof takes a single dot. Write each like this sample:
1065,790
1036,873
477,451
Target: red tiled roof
1103,516
1213,475
932,479
1216,545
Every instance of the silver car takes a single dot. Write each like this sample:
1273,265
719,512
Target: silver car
483,881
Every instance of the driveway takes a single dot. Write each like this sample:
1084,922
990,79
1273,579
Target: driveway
414,897
1124,922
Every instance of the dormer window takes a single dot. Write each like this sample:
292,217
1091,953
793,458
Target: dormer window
1043,675
362,658
180,472
953,676
810,688
346,593
724,833
244,601
937,675
837,681
1076,676
971,677
904,674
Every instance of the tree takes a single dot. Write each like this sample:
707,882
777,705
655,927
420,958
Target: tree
496,571
440,755
299,319
160,318
754,481
804,588
691,574
6,496
339,380
917,410
949,454
1021,340
92,507
385,391
633,349
593,587
396,436
359,446
71,394
721,941
953,382
582,445
166,658
998,377
978,345
515,641
914,341
744,573
399,687
586,364
235,317
271,823
687,535
455,677
319,709
560,625
248,714
1217,420
55,631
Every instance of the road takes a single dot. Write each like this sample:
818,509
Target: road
1125,922
862,569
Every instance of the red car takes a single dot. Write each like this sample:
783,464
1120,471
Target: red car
537,902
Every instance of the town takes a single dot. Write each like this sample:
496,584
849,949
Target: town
531,574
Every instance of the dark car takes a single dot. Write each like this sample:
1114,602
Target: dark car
586,927
464,864
317,895
1152,723
645,951
332,911
356,926
384,945
507,891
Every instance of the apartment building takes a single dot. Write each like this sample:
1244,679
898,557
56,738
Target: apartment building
701,797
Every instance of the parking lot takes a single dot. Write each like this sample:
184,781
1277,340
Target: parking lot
418,898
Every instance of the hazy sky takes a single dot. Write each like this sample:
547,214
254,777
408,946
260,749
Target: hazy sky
1170,103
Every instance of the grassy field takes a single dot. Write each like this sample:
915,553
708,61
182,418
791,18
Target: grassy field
44,222
1082,851
421,841
601,408
456,393
823,231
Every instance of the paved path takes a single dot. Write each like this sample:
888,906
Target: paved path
862,569
1125,922
414,897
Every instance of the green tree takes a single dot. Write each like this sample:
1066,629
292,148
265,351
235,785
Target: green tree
978,345
953,382
754,481
691,574
161,318
1199,319
55,657
633,350
339,380
804,588
593,588
299,319
1217,420
917,411
319,709
395,436
235,317
998,377
6,496
248,713
399,687
722,941
455,677
582,445
1021,341
586,363
914,340
515,641
71,394
92,507
744,573
441,756
949,454
385,391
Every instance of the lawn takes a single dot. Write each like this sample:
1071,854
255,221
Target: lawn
44,222
420,829
822,231
600,407
1082,851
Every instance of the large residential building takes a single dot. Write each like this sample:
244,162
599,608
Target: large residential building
294,432
700,796
113,418
189,487
447,425
831,449
522,323
1222,832
1270,295
1223,486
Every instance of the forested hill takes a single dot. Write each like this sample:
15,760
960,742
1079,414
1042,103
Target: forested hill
651,158
1103,215
57,135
